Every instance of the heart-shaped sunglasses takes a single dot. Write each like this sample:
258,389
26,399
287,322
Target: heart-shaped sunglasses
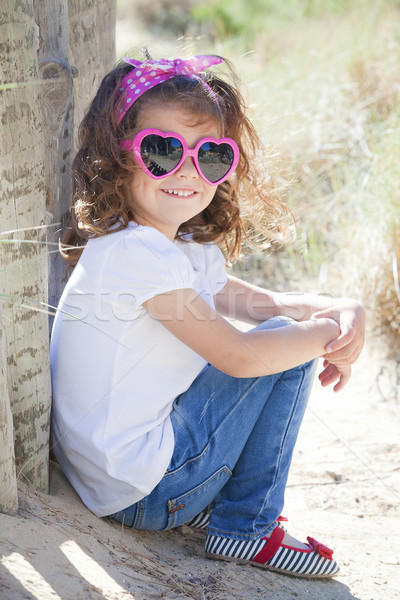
161,154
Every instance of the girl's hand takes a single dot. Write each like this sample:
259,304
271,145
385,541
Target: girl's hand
350,316
333,372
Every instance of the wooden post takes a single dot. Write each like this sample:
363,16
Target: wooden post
57,109
23,253
43,46
92,48
8,482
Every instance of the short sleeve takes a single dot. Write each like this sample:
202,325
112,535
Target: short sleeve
145,263
215,269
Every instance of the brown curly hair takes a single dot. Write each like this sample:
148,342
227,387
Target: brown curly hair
245,206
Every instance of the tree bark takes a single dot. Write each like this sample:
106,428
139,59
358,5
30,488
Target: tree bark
8,482
92,48
39,108
23,252
57,109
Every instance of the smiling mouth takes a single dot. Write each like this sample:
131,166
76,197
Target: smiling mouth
181,193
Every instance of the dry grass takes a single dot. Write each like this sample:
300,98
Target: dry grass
323,88
326,98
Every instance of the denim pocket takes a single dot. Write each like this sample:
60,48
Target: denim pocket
183,508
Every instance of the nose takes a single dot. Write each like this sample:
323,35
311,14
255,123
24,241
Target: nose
188,170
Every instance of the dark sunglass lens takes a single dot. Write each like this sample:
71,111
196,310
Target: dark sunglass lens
160,155
215,160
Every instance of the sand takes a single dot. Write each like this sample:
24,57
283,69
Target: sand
342,491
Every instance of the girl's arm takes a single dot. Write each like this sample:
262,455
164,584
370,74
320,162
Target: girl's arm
253,304
241,354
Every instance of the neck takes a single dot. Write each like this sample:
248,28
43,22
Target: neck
169,232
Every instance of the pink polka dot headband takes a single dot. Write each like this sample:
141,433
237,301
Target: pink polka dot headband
152,72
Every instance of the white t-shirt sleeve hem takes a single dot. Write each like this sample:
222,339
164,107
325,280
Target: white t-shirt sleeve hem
215,267
156,264
172,288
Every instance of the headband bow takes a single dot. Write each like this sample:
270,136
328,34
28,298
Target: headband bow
149,73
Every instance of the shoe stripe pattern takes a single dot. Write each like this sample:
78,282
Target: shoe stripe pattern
286,558
302,562
200,521
233,548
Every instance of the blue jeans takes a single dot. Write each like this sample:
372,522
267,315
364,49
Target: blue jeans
234,440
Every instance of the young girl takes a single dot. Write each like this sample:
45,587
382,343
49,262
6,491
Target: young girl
164,413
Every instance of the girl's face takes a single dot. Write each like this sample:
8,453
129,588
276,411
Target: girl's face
168,202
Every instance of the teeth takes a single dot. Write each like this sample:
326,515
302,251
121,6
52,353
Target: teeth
179,193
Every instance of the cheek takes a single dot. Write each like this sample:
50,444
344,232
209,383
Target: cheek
211,193
136,192
140,183
133,189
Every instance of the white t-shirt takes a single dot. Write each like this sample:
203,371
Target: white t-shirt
116,370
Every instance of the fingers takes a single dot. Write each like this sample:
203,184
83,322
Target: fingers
350,316
332,373
344,378
331,313
344,339
329,375
344,357
346,349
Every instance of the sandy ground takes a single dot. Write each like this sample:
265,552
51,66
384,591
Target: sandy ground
342,491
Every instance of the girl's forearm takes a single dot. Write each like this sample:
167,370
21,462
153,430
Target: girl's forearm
276,350
301,306
253,304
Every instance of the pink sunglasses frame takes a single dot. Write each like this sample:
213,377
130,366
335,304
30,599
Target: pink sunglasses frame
134,146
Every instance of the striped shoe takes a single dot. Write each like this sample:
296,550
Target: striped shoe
270,553
202,520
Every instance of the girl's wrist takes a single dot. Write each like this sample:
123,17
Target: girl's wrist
328,326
